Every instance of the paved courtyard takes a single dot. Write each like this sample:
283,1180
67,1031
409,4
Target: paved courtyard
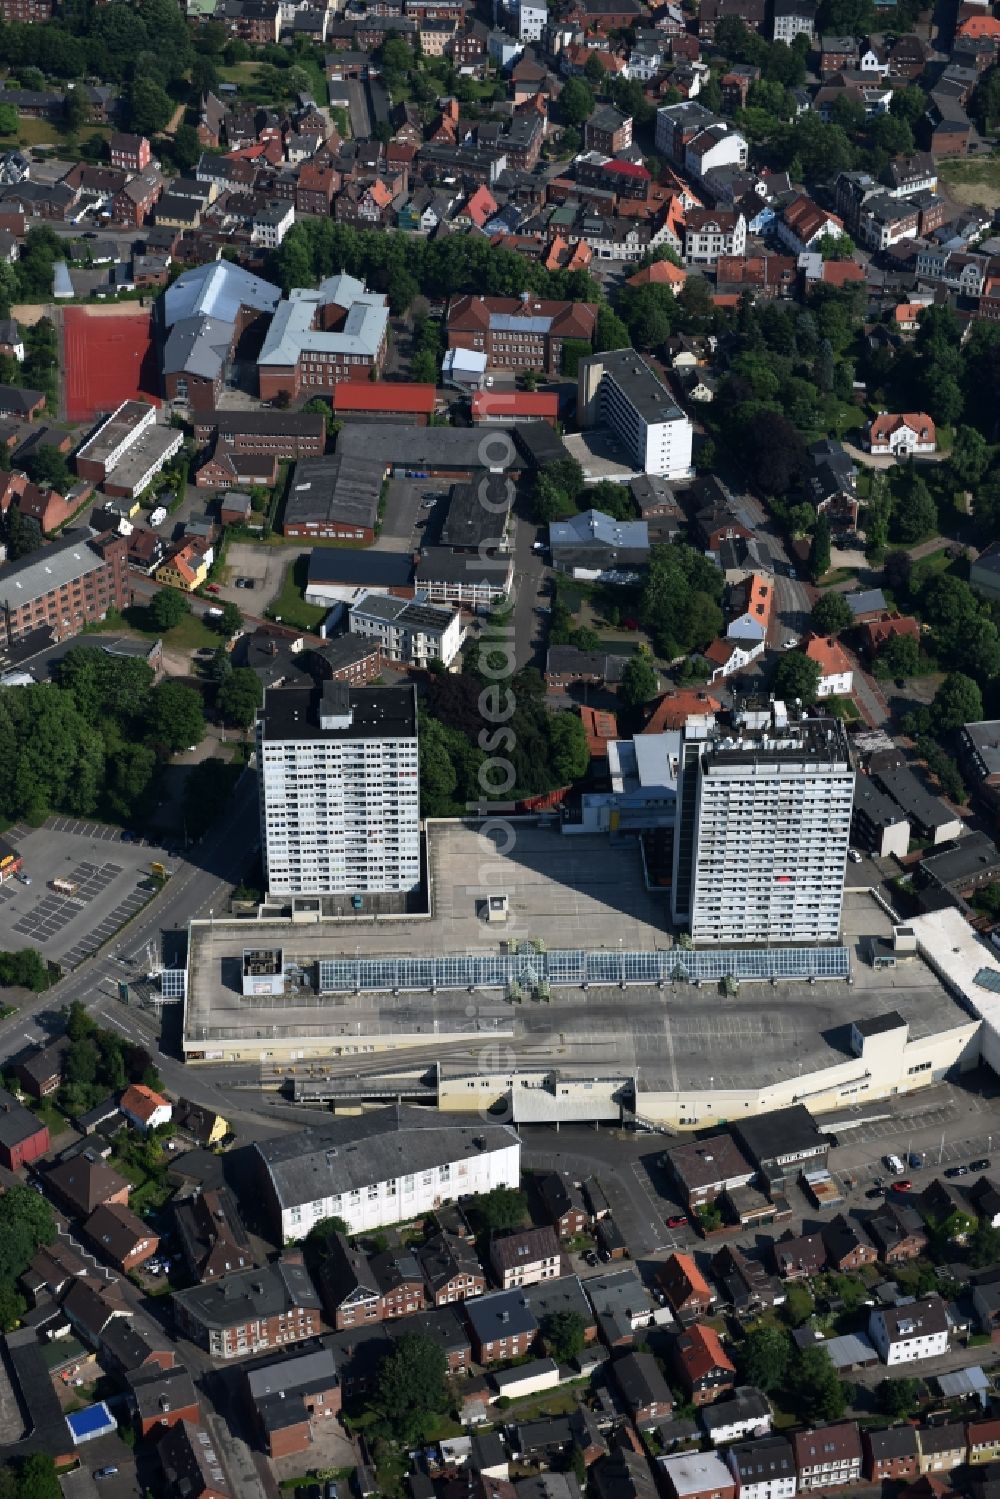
106,871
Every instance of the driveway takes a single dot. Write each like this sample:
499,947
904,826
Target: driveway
265,565
405,506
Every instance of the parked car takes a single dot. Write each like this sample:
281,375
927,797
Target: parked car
916,1159
957,1171
875,1192
895,1164
211,588
677,1220
903,1186
854,856
981,1165
108,1472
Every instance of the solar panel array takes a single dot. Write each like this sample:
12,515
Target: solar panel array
173,983
574,966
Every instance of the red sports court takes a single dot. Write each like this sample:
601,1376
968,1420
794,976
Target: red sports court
109,358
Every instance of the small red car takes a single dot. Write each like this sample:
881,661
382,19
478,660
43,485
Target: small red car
904,1186
211,588
677,1221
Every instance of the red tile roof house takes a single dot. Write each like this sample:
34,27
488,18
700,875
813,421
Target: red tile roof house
120,1236
704,1370
877,631
23,1138
829,1456
685,1288
901,434
144,1108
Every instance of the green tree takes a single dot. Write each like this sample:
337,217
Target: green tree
240,695
36,1477
957,701
568,752
819,550
78,1022
47,465
639,681
412,1387
831,613
167,608
797,677
899,1398
438,777
149,106
576,102
565,1335
915,513
174,719
610,332
969,457
12,1306
898,658
820,1396
502,1208
185,147
984,1246
764,1357
229,621
8,119
24,969
320,1235
81,1061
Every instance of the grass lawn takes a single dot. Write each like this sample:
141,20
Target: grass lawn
240,73
190,634
45,133
548,1403
973,181
928,567
290,605
50,1115
837,575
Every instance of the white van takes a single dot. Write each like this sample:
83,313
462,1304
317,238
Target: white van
895,1165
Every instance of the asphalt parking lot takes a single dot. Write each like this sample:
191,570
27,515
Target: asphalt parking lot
106,871
404,508
264,565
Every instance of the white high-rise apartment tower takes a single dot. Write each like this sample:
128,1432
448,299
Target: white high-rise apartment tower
339,789
763,827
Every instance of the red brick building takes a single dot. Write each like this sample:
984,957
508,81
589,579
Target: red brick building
286,434
162,1397
519,333
191,1464
891,1454
65,586
120,1236
130,153
251,1310
22,1138
289,1396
